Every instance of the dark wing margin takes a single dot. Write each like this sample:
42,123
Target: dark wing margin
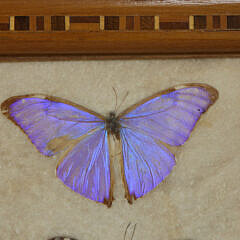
213,94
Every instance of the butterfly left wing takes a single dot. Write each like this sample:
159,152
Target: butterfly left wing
57,125
166,117
85,168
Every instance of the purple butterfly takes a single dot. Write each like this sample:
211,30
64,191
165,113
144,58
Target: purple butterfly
145,131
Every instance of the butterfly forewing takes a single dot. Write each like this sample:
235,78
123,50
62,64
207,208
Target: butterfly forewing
169,117
49,123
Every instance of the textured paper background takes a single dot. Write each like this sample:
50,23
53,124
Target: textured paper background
200,200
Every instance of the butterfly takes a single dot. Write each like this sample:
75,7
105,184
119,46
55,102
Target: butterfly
146,131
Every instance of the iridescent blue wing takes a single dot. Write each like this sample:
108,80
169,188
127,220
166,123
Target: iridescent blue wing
55,125
85,168
50,122
146,163
166,117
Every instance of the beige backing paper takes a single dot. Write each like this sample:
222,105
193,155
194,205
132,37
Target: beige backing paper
200,199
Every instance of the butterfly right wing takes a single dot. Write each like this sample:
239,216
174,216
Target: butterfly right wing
167,117
85,168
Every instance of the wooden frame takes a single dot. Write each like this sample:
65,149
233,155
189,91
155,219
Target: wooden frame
81,29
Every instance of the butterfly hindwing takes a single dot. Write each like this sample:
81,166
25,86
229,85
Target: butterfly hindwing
86,168
146,162
167,117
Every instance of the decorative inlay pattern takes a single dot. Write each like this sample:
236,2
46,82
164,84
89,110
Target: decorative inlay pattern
21,23
233,22
4,23
130,23
174,23
216,22
84,23
200,22
111,23
58,23
147,23
40,23
120,23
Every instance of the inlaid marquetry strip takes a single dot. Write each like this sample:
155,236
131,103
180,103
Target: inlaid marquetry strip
111,23
32,26
47,23
120,23
130,23
137,23
12,23
22,23
210,22
174,23
58,23
84,23
4,23
233,22
191,22
40,23
156,23
147,23
216,22
223,22
200,22
102,18
67,23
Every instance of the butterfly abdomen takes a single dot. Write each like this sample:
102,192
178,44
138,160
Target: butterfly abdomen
112,125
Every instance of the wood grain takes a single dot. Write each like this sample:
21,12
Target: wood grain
111,7
216,22
36,29
40,23
4,23
130,23
33,23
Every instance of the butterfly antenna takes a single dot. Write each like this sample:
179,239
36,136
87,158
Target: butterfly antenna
124,98
116,97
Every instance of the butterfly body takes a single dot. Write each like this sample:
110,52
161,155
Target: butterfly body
113,125
146,132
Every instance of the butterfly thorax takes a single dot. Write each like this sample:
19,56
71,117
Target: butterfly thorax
112,125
